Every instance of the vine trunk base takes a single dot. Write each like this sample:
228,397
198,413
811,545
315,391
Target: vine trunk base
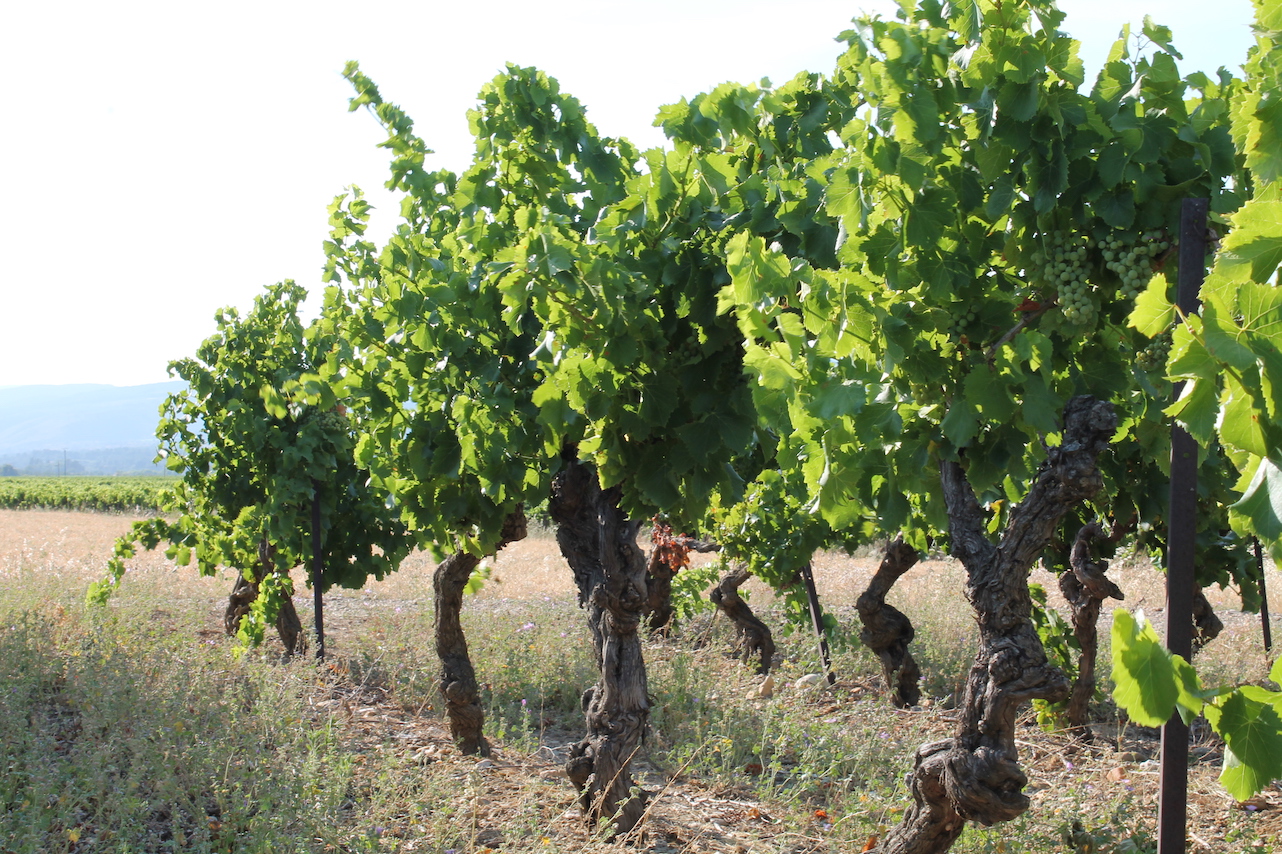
599,543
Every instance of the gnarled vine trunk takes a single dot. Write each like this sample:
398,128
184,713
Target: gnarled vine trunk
245,591
599,543
1085,587
658,584
753,636
1206,625
975,775
457,679
887,631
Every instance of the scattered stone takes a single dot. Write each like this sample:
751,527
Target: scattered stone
808,680
1129,756
489,838
485,764
766,689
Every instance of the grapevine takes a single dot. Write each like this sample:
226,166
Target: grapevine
256,460
669,369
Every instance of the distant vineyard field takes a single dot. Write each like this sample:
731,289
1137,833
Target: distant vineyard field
110,494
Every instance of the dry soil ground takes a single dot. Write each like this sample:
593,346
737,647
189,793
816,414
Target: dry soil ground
693,814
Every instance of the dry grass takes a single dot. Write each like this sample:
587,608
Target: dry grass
804,770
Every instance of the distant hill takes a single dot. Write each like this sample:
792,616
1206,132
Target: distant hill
92,429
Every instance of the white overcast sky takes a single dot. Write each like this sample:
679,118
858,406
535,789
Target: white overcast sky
162,160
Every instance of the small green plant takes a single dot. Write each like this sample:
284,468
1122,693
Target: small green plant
689,587
1062,649
1119,836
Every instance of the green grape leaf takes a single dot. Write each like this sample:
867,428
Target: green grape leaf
1191,697
1253,249
1252,732
655,482
756,273
1143,673
1153,312
774,371
274,402
1117,207
1221,338
1041,406
1261,309
1240,422
842,197
1197,409
99,592
1160,36
991,394
833,399
1260,507
961,424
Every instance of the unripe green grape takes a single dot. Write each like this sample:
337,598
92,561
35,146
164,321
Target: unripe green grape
1130,259
1153,357
1069,275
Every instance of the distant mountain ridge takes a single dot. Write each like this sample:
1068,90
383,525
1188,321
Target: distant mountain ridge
43,419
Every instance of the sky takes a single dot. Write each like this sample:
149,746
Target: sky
164,159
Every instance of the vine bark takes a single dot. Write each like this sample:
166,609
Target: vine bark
658,579
1085,587
457,678
599,543
665,561
886,630
753,637
975,775
1206,625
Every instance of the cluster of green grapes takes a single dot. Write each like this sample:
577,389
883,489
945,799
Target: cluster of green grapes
963,320
689,350
1153,357
1063,263
1131,258
334,422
